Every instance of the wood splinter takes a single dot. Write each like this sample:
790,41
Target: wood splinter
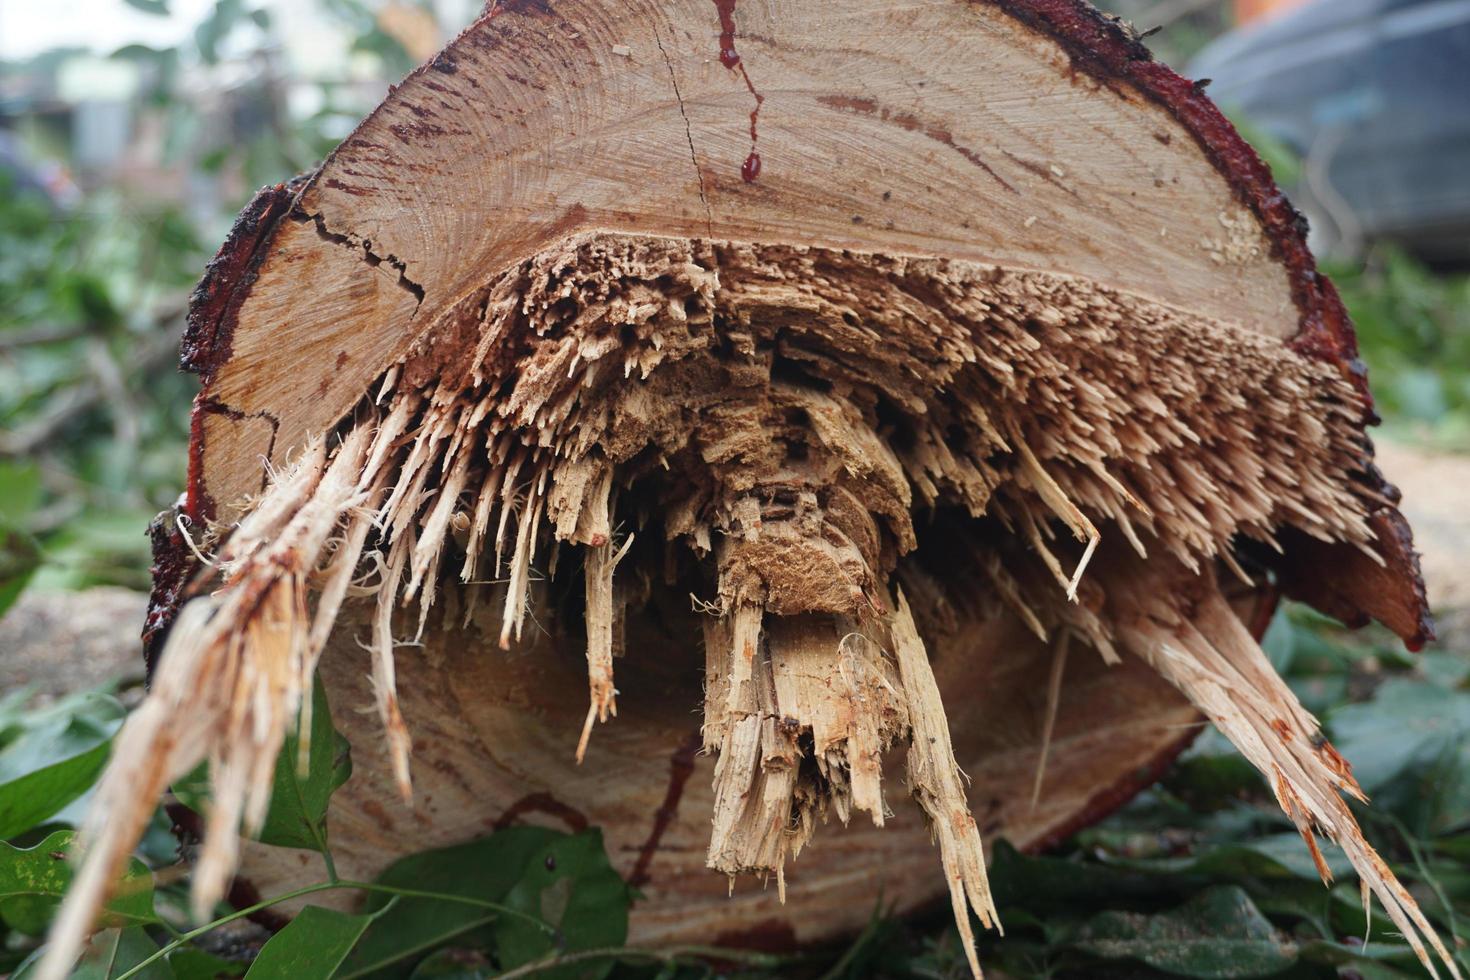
601,562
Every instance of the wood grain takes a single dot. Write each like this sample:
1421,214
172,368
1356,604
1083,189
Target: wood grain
937,127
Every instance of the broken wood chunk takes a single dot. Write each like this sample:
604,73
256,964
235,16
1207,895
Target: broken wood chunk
965,447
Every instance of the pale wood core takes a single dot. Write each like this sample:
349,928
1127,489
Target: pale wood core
932,128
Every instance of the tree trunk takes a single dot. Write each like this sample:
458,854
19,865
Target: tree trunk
907,388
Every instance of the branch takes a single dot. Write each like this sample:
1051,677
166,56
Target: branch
45,334
157,350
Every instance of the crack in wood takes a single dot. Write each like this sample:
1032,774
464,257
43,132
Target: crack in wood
688,133
216,407
369,256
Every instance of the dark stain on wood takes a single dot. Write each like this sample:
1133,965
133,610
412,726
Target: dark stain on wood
538,8
913,124
346,188
364,246
1039,170
188,829
447,768
542,802
766,936
681,767
380,816
750,169
173,565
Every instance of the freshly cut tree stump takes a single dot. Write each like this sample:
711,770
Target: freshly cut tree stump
717,423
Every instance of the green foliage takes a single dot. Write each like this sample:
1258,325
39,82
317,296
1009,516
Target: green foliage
298,813
1217,934
1211,829
112,952
486,869
90,408
299,794
51,757
192,963
555,880
92,293
33,879
1414,330
20,556
314,944
1410,750
569,885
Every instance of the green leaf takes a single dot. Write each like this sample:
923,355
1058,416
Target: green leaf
1043,885
20,556
215,27
93,549
1410,750
1444,668
1321,951
54,763
20,492
159,7
298,811
562,879
1266,856
454,964
311,947
32,881
109,954
27,801
1209,781
1217,934
573,887
192,963
1280,641
486,869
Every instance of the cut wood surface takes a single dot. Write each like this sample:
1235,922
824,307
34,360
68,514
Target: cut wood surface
716,422
938,128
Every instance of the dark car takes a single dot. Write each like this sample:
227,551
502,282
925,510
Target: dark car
1374,96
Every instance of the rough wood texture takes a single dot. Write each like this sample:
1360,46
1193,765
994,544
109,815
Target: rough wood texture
650,789
935,128
917,343
544,119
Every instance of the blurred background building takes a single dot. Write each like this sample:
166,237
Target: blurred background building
196,102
